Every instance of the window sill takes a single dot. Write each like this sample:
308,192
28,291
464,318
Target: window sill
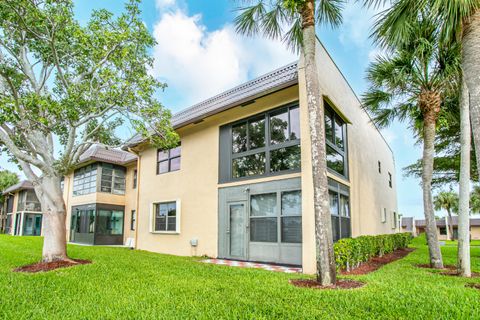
164,232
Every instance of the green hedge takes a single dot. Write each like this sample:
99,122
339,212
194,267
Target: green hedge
351,252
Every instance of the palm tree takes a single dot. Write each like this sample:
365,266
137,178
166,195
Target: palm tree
475,200
459,21
410,82
293,22
448,201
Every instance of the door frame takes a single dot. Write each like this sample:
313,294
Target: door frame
246,234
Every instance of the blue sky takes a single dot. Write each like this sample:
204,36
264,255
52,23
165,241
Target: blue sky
198,55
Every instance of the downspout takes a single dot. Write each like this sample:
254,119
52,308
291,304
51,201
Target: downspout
137,197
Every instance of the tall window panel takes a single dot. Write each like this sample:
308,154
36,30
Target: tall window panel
335,138
112,179
339,210
85,180
168,160
264,144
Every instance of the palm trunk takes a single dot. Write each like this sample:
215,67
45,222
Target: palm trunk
471,72
463,259
54,217
430,104
326,271
450,225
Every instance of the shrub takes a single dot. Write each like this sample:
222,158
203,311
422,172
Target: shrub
351,252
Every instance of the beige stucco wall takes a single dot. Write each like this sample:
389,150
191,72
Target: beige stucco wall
195,184
130,202
475,233
369,190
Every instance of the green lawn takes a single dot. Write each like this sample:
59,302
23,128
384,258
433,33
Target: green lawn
475,243
127,284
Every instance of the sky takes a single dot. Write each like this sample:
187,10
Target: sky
198,54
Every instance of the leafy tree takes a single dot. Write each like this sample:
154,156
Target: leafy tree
448,201
71,83
410,83
293,22
7,179
475,200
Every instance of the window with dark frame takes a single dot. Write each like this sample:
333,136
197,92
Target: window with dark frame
112,179
133,218
10,204
85,180
335,138
340,212
168,160
165,219
266,144
443,231
135,177
390,183
379,167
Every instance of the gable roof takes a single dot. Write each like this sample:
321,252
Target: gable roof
22,185
454,221
104,154
278,79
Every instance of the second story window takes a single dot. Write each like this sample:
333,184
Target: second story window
135,178
168,160
85,180
113,179
335,138
28,201
10,204
390,182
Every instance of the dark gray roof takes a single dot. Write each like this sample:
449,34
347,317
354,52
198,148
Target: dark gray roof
453,221
273,81
25,184
104,154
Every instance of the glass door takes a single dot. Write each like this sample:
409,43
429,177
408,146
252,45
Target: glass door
236,231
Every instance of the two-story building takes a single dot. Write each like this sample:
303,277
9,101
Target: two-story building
239,185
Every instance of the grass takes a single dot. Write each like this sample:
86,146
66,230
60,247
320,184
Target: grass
127,284
473,243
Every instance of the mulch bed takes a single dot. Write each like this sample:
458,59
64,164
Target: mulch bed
473,285
377,262
341,284
48,266
448,270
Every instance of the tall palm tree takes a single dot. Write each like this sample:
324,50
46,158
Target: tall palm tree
459,21
448,201
293,22
410,82
475,200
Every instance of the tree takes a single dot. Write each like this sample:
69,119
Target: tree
475,200
7,179
293,22
64,86
448,201
459,21
410,82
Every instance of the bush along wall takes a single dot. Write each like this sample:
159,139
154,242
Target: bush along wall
351,252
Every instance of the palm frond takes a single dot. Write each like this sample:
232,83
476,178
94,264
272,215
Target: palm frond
293,38
271,22
248,21
329,12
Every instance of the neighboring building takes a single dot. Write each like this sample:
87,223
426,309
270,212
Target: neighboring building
22,209
408,225
443,231
239,185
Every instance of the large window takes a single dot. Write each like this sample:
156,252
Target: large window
8,224
168,160
340,210
28,201
109,222
166,217
113,179
335,137
264,144
266,217
85,180
10,204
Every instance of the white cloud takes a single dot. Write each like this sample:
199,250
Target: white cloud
198,63
162,4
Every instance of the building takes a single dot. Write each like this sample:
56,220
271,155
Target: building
407,224
443,231
239,185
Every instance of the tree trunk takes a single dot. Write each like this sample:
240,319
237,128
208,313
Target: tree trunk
430,106
326,271
50,196
449,222
471,74
463,259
